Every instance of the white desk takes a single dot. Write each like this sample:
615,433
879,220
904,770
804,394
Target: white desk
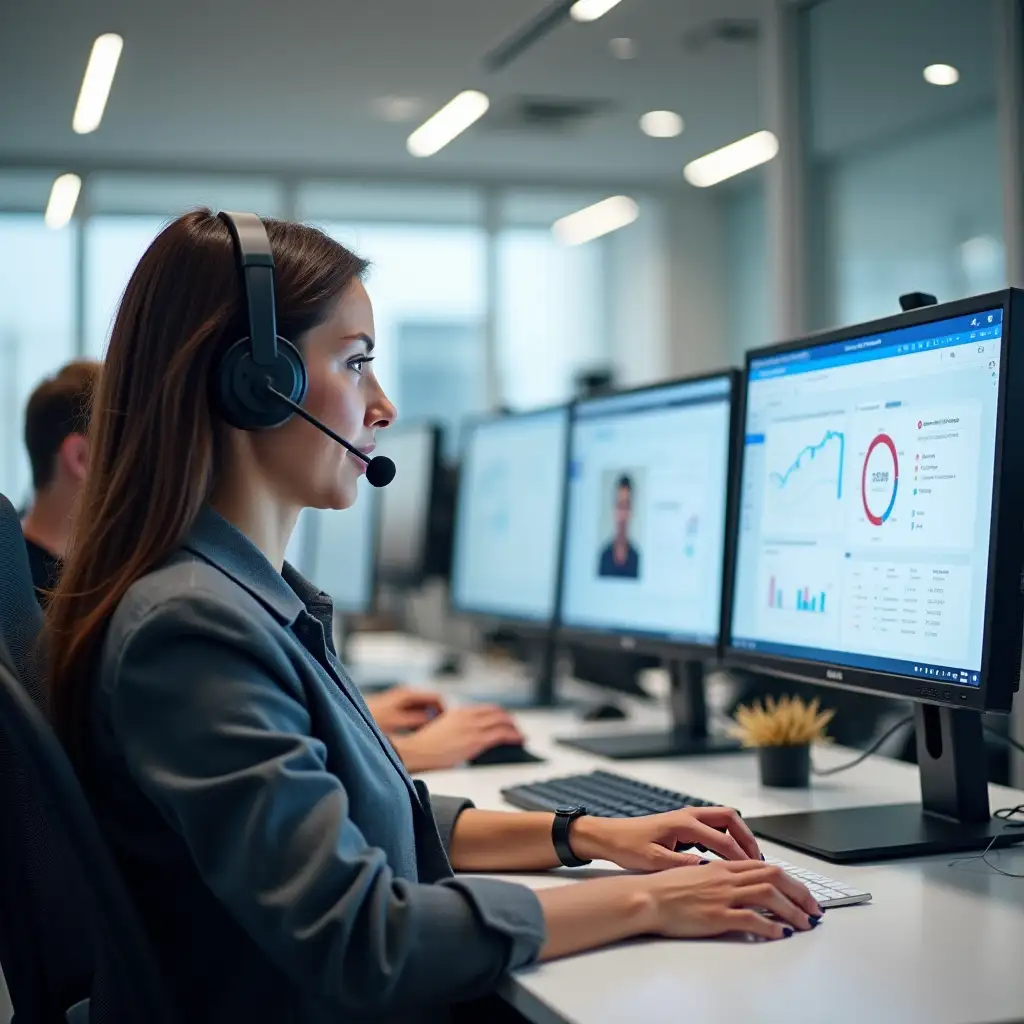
939,944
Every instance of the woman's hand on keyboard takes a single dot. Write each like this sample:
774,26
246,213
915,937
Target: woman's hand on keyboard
733,896
650,843
684,903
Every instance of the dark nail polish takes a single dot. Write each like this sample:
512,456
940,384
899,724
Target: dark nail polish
815,921
787,932
762,856
701,849
705,862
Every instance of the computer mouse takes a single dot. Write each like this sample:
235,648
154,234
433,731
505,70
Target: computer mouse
604,713
505,753
451,665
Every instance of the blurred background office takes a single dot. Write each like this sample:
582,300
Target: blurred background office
627,190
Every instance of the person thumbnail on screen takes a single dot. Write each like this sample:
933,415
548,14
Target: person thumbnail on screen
619,558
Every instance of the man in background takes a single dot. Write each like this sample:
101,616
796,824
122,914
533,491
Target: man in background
56,425
620,558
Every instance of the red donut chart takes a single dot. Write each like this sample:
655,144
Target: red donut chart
883,439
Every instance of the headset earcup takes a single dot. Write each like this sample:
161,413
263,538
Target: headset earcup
241,394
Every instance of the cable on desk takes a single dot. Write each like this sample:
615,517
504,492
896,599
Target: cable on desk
1005,814
873,749
1009,740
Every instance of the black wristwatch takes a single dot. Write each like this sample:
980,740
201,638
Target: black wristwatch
564,817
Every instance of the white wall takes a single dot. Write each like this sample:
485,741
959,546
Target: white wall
749,307
698,297
637,272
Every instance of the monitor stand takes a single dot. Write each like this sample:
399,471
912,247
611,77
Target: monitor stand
543,669
953,815
688,735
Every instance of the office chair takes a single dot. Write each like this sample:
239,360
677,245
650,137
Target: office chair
72,948
21,618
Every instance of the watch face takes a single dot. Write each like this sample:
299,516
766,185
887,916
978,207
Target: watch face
570,809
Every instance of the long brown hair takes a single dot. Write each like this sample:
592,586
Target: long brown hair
153,432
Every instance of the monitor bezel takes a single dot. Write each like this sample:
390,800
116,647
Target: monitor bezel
1002,637
401,579
657,644
522,625
311,542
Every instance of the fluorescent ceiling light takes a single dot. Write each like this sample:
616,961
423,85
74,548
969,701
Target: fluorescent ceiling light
594,221
448,123
661,124
591,10
63,196
99,76
941,74
731,160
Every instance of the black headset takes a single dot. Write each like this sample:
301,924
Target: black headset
261,380
262,361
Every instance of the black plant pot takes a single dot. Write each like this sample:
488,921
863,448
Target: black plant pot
785,767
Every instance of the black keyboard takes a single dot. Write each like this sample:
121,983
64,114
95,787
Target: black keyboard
604,794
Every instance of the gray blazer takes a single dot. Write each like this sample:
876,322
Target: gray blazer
287,867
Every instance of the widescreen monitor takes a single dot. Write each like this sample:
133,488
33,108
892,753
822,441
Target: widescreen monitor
878,546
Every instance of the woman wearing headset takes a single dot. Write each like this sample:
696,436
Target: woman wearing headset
286,866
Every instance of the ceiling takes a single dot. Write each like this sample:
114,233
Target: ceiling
263,84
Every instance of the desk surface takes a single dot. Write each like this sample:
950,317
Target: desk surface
939,944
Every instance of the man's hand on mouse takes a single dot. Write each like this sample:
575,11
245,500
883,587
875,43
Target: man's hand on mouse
457,735
402,709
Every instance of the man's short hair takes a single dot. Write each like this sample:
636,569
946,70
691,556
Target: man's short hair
58,408
625,483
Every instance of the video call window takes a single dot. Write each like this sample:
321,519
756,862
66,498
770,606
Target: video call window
620,558
645,527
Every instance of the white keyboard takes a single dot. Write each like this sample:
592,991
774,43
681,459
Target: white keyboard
827,891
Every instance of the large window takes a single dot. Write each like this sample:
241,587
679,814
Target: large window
37,315
113,246
128,211
477,304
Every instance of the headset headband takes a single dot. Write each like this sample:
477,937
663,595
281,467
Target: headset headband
257,265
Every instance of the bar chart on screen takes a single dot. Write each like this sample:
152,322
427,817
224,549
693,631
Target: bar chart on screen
799,591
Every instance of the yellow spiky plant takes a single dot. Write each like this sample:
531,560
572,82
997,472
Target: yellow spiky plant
788,722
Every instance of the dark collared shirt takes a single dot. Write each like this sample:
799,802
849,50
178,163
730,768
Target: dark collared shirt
284,862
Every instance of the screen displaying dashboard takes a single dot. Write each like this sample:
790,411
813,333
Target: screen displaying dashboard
866,500
508,525
645,534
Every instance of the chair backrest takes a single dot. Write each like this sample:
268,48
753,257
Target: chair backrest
68,930
21,618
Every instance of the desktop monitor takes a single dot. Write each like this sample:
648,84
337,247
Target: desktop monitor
407,503
878,546
508,523
334,549
643,560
